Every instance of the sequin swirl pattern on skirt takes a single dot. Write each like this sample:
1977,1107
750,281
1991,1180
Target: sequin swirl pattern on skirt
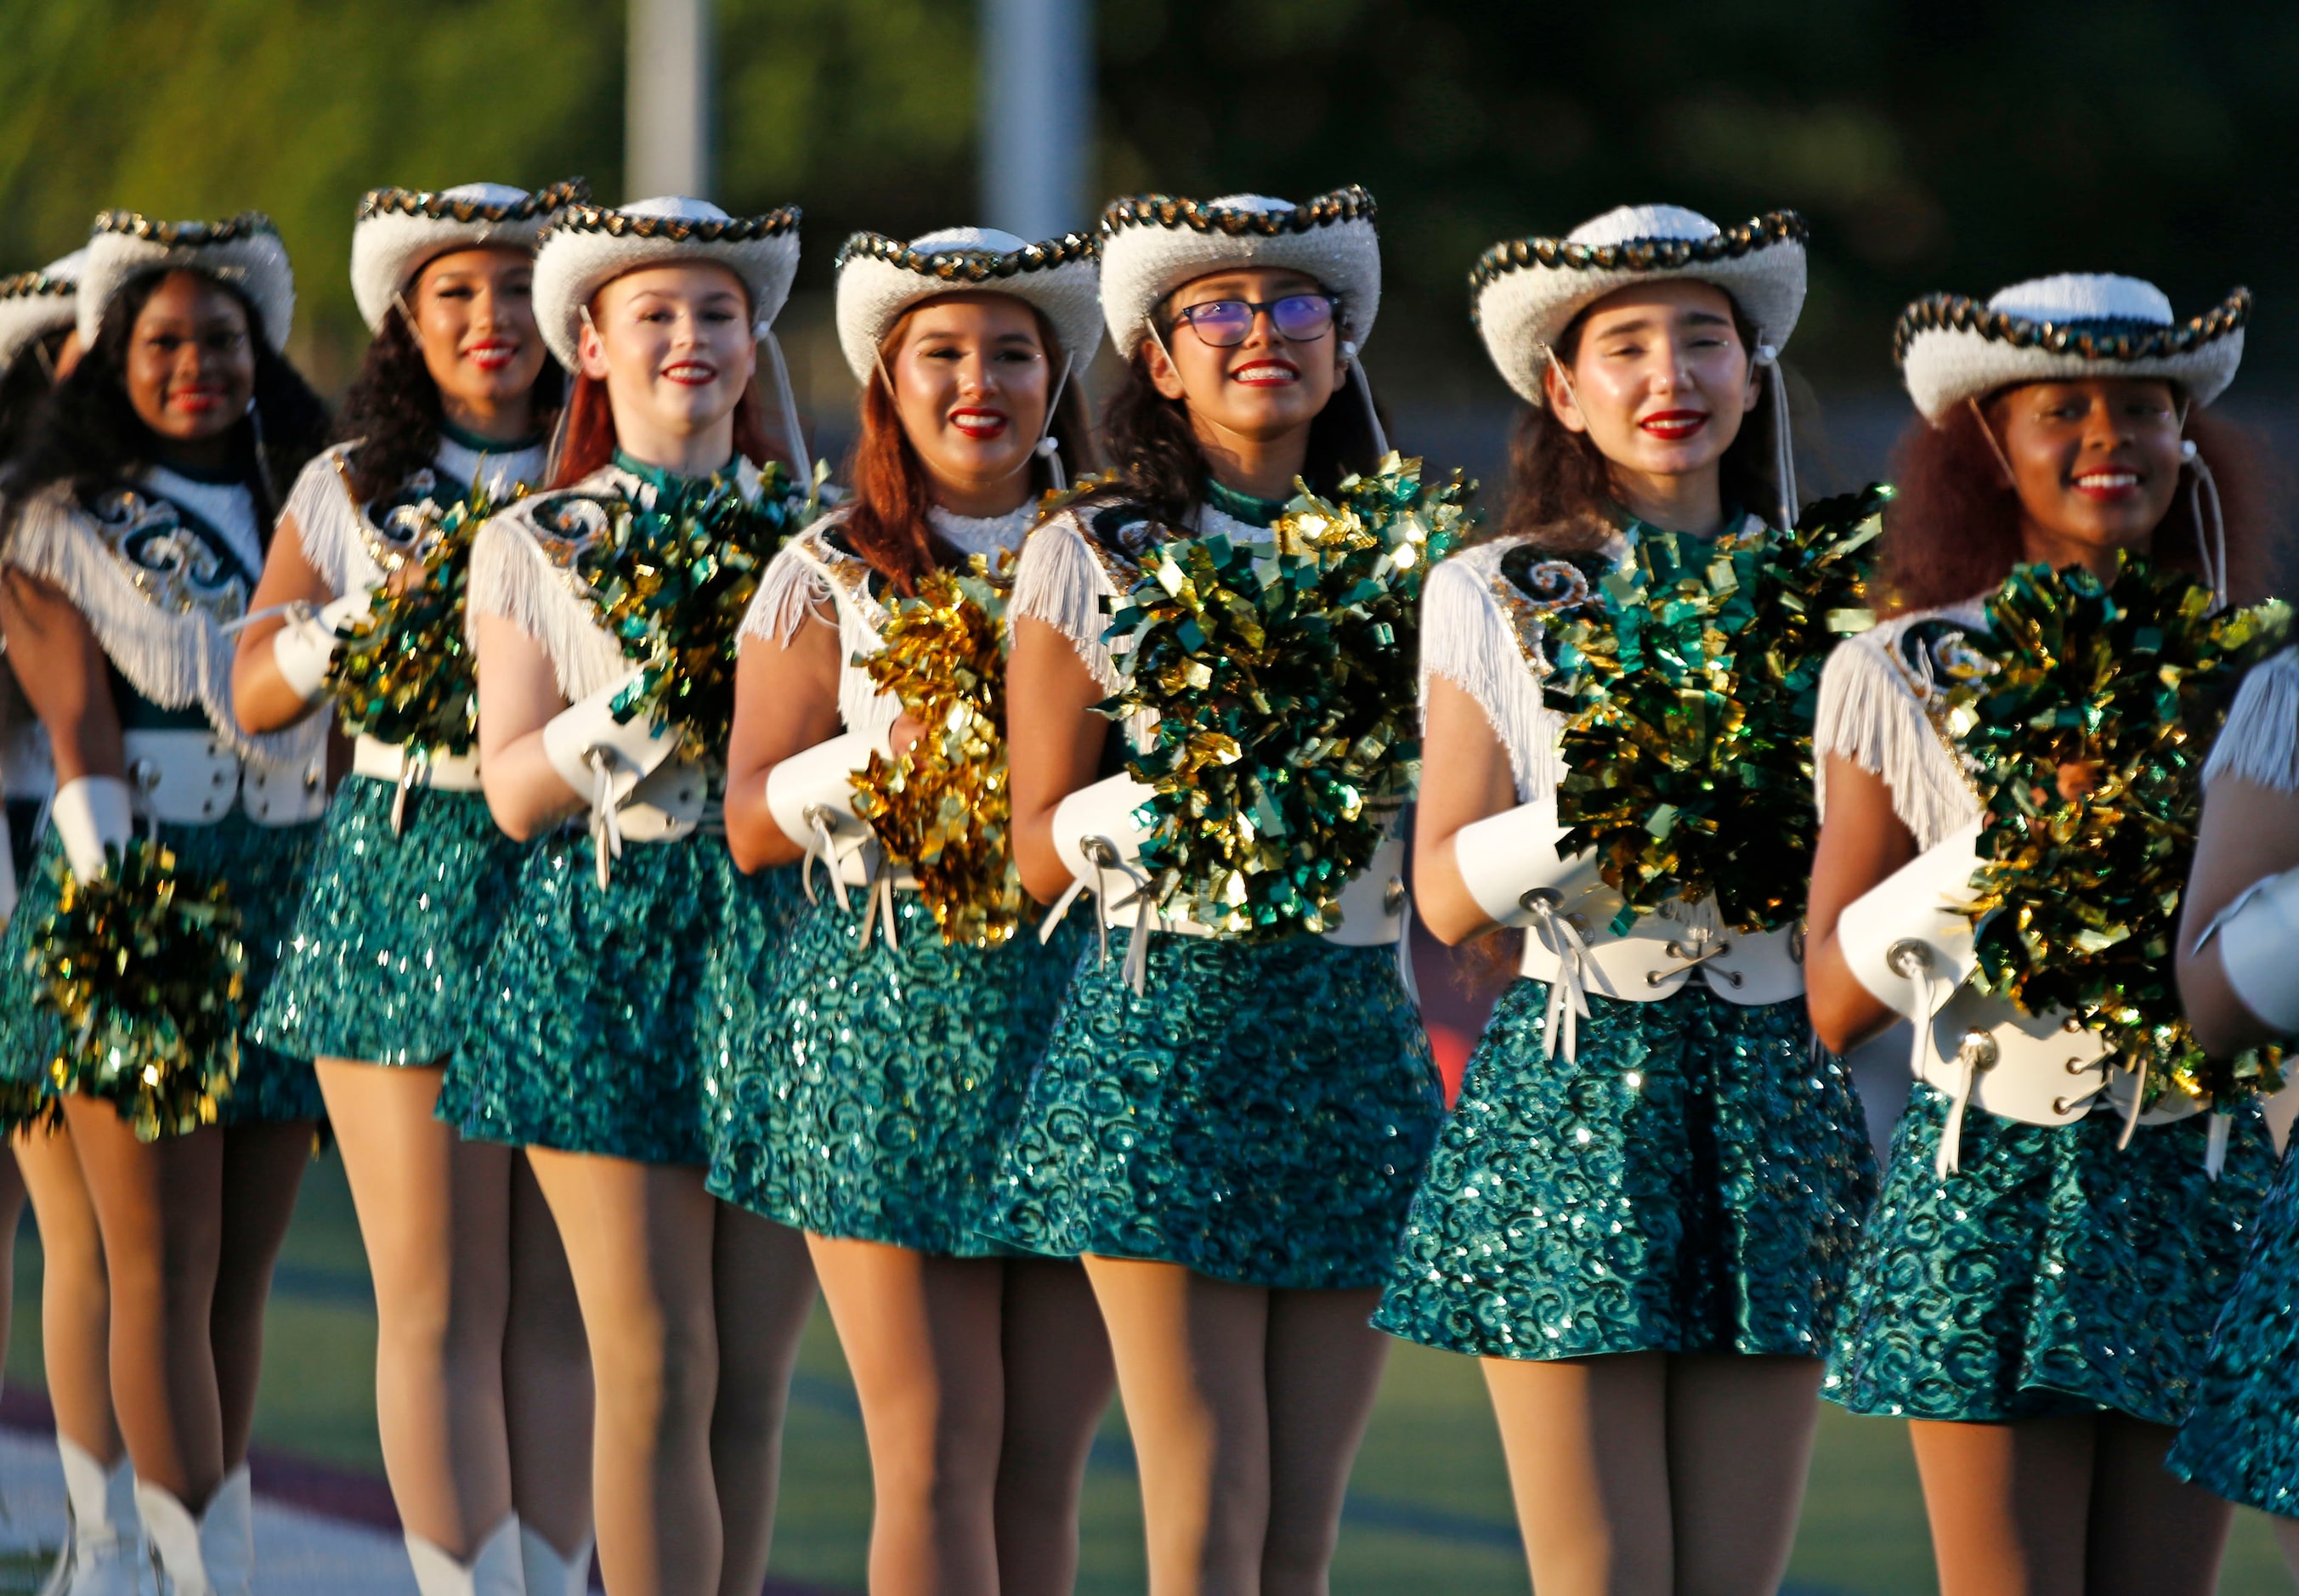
871,1102
2051,1273
2241,1440
385,963
264,868
1260,1116
602,1006
1693,1182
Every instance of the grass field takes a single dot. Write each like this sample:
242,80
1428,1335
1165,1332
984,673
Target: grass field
1429,1510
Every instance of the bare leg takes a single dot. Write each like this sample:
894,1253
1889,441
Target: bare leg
1587,1443
1322,1370
2151,1535
75,1295
12,1213
1739,1442
764,1289
2010,1504
640,1239
1058,1378
921,1336
546,1376
1191,1355
263,1167
435,1213
160,1209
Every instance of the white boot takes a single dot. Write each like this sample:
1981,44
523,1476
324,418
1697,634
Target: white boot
212,1555
101,1550
494,1570
547,1573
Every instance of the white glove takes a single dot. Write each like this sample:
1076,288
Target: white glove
1904,938
91,816
1097,815
811,797
1507,858
2259,950
587,746
306,645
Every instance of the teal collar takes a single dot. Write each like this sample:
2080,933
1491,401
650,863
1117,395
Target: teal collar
671,484
1633,528
1243,507
487,446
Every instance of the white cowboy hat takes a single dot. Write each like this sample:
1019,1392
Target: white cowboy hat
1152,243
2054,328
586,247
243,252
880,277
402,230
35,304
1525,293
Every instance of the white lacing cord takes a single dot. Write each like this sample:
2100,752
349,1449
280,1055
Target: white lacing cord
2131,1111
1405,977
1784,441
414,770
794,439
1568,994
606,829
2211,524
1945,1162
2215,1144
817,817
878,911
297,611
1365,392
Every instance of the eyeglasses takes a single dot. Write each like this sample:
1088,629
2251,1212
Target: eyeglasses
1224,323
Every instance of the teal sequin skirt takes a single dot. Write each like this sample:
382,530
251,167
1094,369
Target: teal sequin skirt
870,1101
1260,1116
2051,1273
1693,1183
604,1008
389,946
264,868
2241,1440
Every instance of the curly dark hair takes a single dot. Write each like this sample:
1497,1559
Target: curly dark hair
86,433
392,412
1148,438
1561,492
27,382
886,517
1952,529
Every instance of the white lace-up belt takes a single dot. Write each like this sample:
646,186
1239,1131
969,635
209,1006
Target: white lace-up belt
408,767
195,778
2035,1068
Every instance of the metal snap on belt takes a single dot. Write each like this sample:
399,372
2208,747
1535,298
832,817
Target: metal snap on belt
1392,897
1979,1050
1542,897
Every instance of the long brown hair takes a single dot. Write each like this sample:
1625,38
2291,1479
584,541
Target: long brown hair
1561,490
1952,529
886,520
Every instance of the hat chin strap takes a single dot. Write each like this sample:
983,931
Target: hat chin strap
793,437
2210,523
1365,392
1784,441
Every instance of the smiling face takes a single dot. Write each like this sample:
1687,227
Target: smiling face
191,359
2096,463
1263,388
1660,380
474,315
971,378
673,345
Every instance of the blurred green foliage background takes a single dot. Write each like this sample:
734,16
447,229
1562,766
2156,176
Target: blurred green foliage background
1950,143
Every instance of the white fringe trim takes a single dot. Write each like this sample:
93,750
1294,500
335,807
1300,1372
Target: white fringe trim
328,524
1466,638
1869,714
2261,740
176,658
1059,580
512,577
791,591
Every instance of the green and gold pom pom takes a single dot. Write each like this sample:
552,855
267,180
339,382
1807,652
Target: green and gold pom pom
672,585
2090,722
406,673
944,809
1687,683
145,966
1283,677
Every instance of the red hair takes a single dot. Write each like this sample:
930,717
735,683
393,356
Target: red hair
589,441
1952,530
886,514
